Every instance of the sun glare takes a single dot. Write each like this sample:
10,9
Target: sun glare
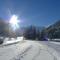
14,22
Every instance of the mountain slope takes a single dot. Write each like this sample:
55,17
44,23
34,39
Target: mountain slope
54,30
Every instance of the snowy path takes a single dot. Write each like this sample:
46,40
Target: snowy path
28,50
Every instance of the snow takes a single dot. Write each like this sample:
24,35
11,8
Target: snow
12,40
27,50
58,43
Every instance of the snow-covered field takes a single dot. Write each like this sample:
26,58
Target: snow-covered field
58,43
28,50
8,41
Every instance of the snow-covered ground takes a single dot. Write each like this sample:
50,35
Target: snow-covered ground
58,43
8,41
28,50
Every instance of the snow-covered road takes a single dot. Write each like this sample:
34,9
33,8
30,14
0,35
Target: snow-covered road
28,50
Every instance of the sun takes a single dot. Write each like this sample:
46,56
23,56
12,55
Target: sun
14,22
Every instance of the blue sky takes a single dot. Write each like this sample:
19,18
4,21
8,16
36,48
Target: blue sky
31,12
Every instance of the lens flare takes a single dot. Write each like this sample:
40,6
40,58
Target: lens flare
14,22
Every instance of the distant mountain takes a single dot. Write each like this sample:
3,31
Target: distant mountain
54,30
56,25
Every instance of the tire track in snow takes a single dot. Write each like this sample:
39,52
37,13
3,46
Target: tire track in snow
37,54
21,55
